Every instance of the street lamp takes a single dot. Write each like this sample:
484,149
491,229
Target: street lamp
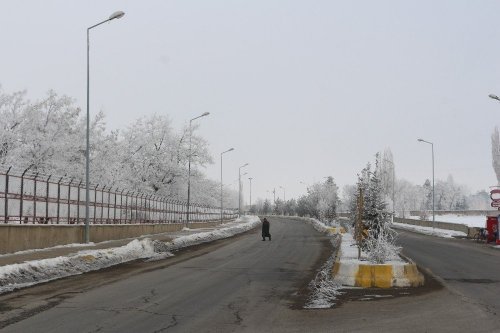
250,179
433,211
189,166
239,188
115,15
221,205
393,181
284,197
494,97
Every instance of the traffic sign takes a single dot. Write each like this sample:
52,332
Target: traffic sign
495,194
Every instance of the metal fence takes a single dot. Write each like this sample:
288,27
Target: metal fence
28,197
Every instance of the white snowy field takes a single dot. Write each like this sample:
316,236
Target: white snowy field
478,221
38,271
443,233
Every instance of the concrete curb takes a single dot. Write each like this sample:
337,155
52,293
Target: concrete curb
378,276
349,271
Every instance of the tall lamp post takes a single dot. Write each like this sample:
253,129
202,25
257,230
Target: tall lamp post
221,196
284,197
433,210
393,181
239,188
250,179
494,97
115,15
189,165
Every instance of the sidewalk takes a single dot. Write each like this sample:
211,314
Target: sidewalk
65,250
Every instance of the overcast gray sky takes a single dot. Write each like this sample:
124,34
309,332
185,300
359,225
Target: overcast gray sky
300,89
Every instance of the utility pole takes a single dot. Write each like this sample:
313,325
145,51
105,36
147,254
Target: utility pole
250,178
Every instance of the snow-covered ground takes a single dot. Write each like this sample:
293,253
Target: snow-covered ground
444,233
38,271
471,221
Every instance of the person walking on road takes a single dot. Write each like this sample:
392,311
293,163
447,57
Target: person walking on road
265,229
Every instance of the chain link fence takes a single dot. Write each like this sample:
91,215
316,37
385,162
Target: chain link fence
29,197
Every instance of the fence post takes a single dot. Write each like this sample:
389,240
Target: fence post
149,207
132,194
69,198
6,211
114,210
137,207
167,212
143,208
58,198
34,199
102,202
109,202
22,194
163,212
47,200
78,204
95,201
126,205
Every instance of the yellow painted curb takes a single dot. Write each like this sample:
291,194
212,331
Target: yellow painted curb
88,258
379,276
415,278
335,268
336,230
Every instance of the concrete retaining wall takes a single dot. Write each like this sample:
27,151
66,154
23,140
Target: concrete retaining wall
15,238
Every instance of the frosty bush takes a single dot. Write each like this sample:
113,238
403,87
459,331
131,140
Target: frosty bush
381,249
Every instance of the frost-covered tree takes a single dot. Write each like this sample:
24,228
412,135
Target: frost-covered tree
348,195
320,202
379,244
266,208
376,215
149,156
387,173
278,207
290,207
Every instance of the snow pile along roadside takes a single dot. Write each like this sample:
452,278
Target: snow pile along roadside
241,225
38,271
324,290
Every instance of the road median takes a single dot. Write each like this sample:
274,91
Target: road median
350,271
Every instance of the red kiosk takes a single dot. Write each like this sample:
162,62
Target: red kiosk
492,221
492,227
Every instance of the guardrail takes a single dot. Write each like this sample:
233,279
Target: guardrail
33,198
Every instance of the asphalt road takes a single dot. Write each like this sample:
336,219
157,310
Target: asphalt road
240,284
470,269
244,284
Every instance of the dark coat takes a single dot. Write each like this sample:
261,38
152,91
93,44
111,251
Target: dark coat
265,228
